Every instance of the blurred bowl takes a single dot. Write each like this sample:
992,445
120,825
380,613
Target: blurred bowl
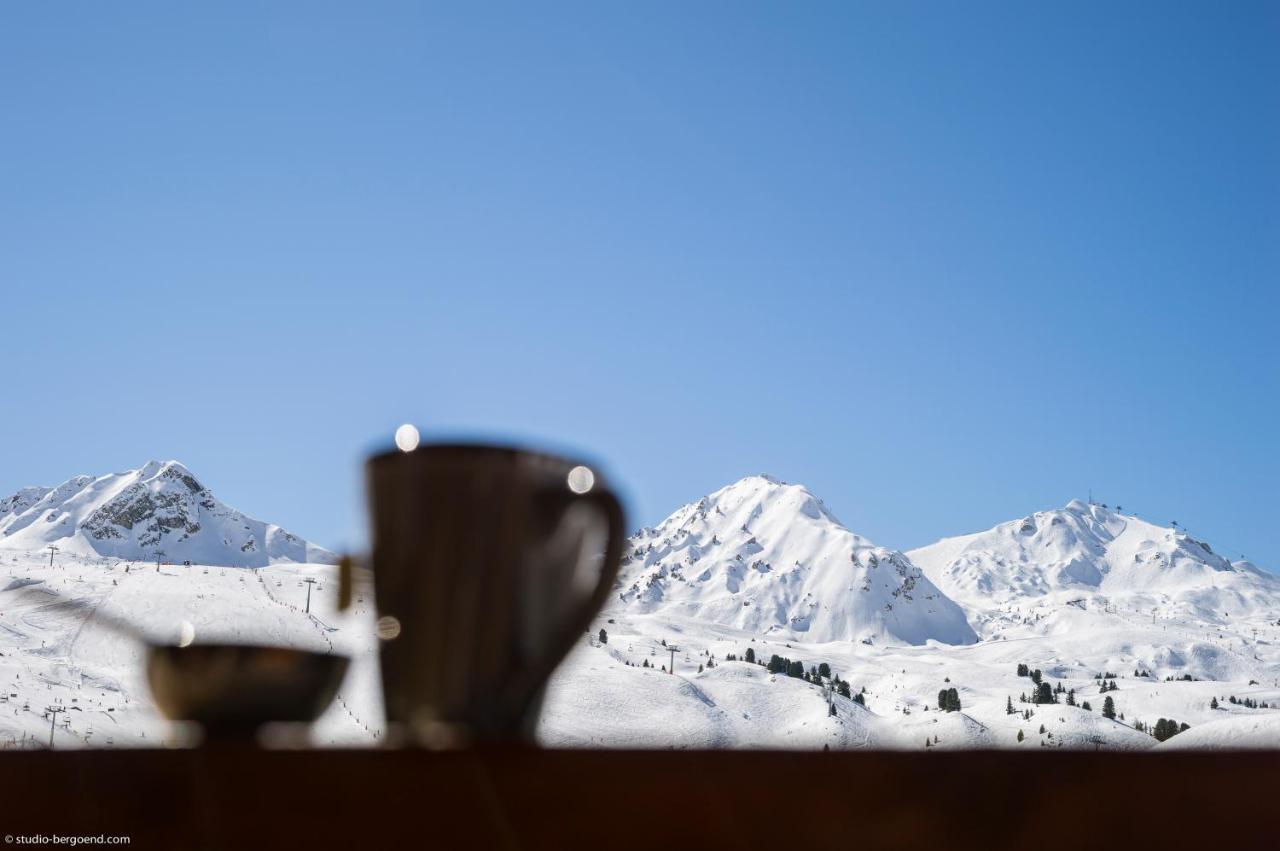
232,689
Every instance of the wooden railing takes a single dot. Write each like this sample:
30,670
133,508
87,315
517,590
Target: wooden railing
238,798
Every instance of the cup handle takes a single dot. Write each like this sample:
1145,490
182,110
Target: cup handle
538,671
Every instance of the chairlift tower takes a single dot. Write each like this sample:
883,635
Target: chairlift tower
673,649
52,549
159,554
53,720
309,582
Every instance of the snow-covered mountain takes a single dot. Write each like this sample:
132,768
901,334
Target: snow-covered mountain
768,557
132,515
669,662
1088,554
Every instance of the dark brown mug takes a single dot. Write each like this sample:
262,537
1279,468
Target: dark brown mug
488,563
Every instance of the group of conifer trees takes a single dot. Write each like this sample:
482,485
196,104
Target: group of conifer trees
1044,692
1167,728
816,674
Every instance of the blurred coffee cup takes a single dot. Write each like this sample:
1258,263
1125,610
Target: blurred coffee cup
488,563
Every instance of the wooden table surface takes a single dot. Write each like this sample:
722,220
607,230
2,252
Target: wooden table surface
240,798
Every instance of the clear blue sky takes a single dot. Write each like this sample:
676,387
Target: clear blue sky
944,263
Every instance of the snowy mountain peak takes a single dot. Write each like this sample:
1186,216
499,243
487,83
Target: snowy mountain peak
1087,550
172,469
762,495
769,557
160,507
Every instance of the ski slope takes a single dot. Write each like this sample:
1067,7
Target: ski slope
56,652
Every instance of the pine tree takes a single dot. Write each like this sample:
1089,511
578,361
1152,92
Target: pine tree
1022,669
831,709
942,700
824,670
1035,676
1109,708
1071,697
750,655
604,636
1020,736
953,700
1042,729
1213,704
1044,694
1086,707
843,688
1008,707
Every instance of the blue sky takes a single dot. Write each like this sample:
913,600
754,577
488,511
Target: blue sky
946,264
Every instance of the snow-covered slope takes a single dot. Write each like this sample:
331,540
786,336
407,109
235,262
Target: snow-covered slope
768,557
132,515
1087,554
1233,731
56,651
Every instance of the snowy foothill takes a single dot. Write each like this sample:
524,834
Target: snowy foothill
56,652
